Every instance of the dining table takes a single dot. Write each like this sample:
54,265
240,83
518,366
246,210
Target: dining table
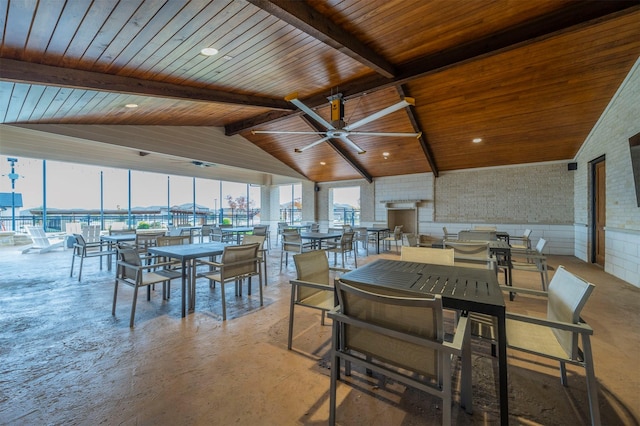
317,238
465,289
114,240
187,255
238,231
377,232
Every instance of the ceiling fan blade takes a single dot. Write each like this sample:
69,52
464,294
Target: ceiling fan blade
388,110
352,144
399,135
293,98
311,145
257,132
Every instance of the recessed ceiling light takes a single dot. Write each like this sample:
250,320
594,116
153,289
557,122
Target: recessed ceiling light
131,105
476,140
227,57
385,154
209,51
322,163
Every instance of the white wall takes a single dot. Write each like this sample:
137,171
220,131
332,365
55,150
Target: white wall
610,137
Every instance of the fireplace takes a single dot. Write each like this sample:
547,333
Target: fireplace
403,212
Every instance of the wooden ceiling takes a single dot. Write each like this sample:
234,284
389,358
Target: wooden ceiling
529,78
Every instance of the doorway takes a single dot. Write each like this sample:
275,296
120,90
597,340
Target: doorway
599,210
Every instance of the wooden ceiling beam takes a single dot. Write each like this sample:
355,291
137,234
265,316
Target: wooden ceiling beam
424,144
575,15
308,20
339,149
32,73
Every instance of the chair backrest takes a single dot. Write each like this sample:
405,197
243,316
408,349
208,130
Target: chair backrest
477,235
146,240
173,240
205,231
216,234
129,255
291,242
311,266
420,316
484,228
397,231
121,231
360,234
412,240
346,240
38,236
73,228
254,239
568,294
431,255
240,260
471,254
314,227
526,234
91,233
540,246
79,241
260,230
174,231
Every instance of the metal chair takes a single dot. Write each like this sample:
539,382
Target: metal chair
83,250
431,255
395,237
400,337
263,230
532,261
312,287
558,336
262,251
291,243
238,262
343,246
132,271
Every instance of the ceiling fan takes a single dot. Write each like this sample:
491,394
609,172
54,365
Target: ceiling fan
338,128
202,163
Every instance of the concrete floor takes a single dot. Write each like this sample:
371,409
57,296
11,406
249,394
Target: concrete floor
64,359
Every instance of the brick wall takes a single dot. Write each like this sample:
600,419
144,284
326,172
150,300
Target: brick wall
610,137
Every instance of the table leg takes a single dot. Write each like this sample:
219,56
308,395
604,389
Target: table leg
184,288
192,286
502,366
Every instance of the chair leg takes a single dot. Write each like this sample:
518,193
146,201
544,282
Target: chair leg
224,302
115,296
73,258
80,271
133,305
335,366
291,306
592,385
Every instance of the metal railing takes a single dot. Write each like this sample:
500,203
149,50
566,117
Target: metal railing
57,222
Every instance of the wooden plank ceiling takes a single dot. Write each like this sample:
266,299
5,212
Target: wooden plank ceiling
529,78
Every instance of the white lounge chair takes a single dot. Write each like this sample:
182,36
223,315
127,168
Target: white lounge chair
41,242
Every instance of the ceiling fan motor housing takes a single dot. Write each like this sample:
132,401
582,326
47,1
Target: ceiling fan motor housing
337,110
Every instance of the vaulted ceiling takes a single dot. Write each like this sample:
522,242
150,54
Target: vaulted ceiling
528,78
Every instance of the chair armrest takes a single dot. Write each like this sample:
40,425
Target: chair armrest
333,268
312,285
206,262
580,327
460,336
411,338
524,290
